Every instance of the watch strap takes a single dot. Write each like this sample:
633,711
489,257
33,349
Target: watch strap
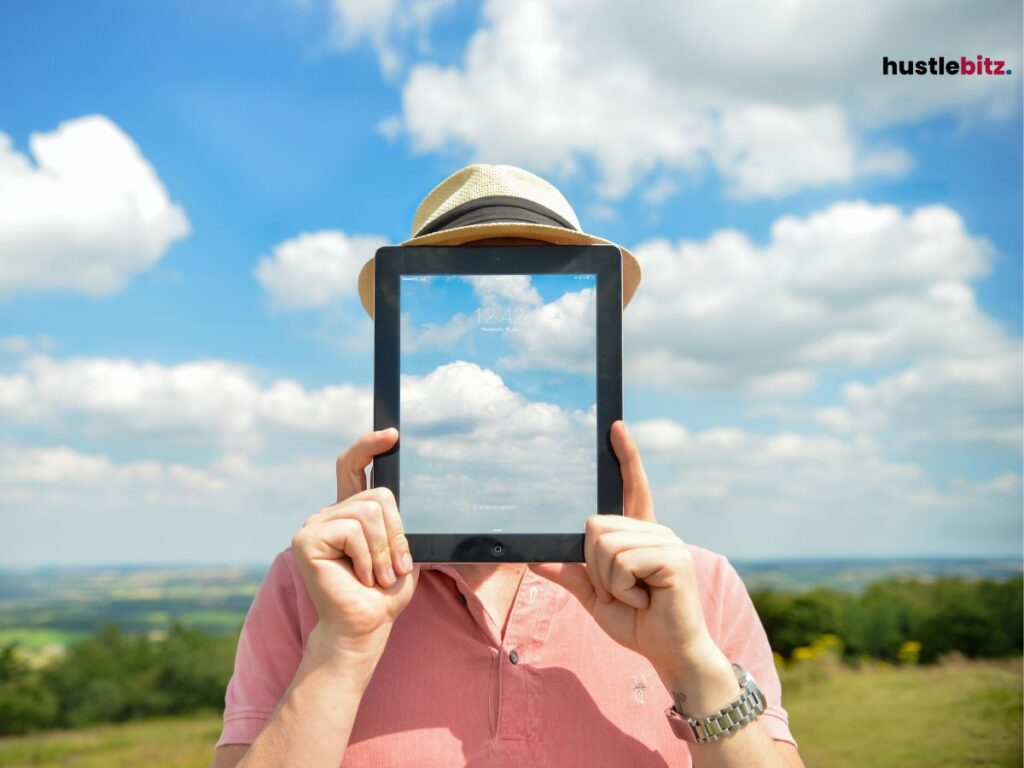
741,711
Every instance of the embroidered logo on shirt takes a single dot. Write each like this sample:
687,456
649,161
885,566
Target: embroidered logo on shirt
640,688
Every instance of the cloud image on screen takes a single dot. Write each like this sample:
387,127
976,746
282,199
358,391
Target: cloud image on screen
498,403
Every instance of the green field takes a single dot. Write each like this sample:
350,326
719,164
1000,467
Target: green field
956,715
960,714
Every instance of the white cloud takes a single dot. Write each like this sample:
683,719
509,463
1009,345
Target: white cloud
462,397
434,336
764,150
811,495
469,440
972,401
386,24
559,335
90,213
196,403
501,289
315,269
853,285
97,509
676,87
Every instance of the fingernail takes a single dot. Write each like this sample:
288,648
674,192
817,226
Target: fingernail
406,562
391,574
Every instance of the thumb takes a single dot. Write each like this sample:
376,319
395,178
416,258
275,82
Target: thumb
570,576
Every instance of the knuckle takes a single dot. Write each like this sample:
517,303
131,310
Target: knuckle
366,511
400,540
383,495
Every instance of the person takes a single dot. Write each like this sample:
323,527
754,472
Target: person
353,655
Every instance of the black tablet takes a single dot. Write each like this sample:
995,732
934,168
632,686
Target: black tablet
501,367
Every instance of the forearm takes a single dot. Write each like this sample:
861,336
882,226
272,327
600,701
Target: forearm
313,721
709,683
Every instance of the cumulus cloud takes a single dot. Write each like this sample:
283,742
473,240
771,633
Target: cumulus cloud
856,284
386,25
678,87
86,215
818,495
558,335
463,397
435,335
499,290
194,403
230,510
315,269
475,450
972,401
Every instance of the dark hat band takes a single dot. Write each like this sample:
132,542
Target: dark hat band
495,208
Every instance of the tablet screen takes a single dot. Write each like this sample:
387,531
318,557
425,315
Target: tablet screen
498,389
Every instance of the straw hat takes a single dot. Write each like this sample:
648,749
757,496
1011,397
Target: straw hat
483,201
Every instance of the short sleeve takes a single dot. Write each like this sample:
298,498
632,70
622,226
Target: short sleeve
269,652
742,638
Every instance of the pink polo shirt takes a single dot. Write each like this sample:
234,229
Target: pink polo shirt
448,690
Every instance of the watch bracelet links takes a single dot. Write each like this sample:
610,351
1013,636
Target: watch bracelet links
743,710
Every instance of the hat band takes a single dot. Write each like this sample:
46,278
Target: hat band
492,209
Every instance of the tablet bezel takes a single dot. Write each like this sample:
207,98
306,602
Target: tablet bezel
605,261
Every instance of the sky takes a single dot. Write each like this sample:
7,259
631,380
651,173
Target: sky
823,358
498,386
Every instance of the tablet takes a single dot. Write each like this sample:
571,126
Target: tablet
501,367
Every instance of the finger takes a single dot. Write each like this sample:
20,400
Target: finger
630,570
605,523
611,545
334,540
593,530
572,577
636,492
398,544
368,512
350,468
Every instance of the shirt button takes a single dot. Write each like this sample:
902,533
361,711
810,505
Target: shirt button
513,656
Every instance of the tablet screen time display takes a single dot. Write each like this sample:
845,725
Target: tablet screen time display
498,403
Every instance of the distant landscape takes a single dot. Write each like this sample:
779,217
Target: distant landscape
50,607
127,665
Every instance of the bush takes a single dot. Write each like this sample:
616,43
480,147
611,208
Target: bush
977,618
25,702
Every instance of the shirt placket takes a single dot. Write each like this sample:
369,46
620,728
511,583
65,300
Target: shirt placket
513,676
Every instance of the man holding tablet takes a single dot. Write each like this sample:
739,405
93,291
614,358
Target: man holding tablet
513,639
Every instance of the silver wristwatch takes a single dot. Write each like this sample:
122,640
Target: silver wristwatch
729,719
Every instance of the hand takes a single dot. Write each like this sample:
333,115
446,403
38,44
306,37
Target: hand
350,555
638,582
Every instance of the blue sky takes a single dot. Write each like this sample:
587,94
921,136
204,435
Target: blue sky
823,357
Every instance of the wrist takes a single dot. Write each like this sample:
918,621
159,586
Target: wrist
700,680
331,650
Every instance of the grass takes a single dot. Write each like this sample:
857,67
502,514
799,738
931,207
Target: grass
40,637
185,742
955,715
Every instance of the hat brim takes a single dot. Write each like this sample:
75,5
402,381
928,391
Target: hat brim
543,232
